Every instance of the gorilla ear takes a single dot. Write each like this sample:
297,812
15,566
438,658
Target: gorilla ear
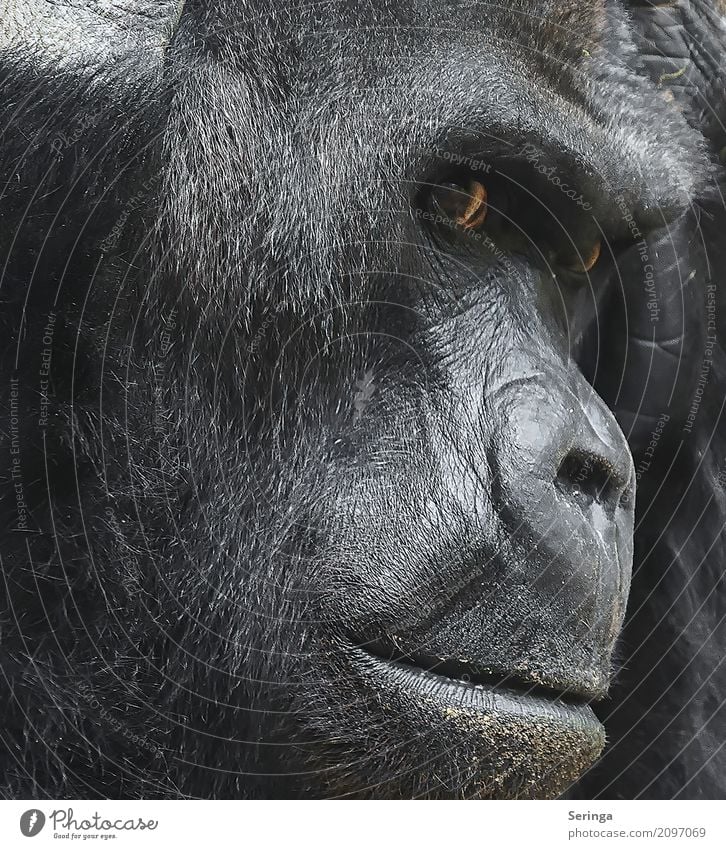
85,37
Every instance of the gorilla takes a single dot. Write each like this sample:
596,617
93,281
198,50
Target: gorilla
339,339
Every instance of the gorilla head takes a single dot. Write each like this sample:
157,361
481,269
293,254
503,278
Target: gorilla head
311,490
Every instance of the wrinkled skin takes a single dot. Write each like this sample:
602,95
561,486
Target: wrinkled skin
310,492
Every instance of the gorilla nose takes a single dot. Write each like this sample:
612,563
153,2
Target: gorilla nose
586,475
561,446
563,489
597,466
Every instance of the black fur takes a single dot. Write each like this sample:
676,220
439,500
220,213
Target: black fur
238,361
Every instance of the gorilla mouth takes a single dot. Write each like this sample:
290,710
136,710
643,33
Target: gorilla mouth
460,673
460,685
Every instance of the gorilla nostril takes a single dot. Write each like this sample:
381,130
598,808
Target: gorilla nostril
590,477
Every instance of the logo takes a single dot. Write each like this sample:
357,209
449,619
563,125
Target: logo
32,822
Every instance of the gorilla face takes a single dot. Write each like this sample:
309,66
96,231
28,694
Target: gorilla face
346,496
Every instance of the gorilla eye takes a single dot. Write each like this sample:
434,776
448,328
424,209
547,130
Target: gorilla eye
464,206
582,262
521,216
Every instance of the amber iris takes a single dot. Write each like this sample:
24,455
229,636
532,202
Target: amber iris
583,262
466,207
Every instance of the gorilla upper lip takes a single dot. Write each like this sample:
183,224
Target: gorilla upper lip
468,672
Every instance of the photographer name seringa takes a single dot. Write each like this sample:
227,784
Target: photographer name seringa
589,815
64,820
